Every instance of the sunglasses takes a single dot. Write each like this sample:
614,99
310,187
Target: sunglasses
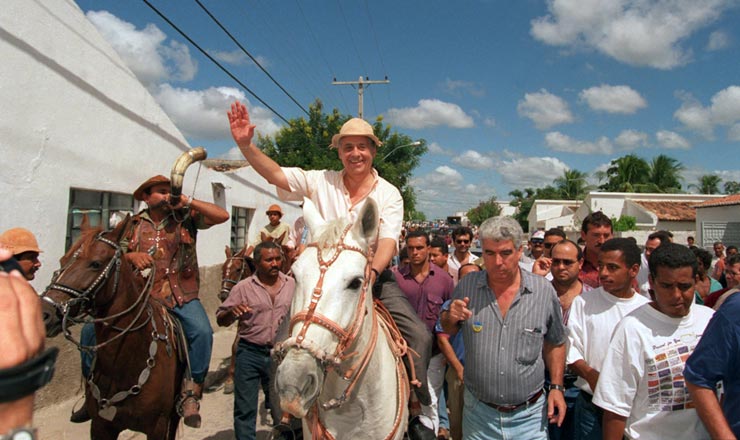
462,241
559,261
549,245
537,241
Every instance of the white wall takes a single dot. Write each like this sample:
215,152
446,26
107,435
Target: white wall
73,115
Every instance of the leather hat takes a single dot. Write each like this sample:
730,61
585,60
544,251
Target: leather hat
19,240
355,127
274,208
156,180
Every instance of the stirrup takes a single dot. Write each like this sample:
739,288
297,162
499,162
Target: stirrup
189,410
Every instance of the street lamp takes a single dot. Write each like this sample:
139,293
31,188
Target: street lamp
412,144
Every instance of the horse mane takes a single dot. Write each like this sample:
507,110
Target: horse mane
86,237
331,233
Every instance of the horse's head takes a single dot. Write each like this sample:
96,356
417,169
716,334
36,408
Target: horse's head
330,302
236,267
81,282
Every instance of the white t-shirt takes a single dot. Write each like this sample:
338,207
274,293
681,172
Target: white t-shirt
642,378
593,317
643,277
326,190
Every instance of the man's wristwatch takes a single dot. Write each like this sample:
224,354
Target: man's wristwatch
20,434
554,386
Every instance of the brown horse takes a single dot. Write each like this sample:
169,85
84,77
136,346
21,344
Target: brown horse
136,375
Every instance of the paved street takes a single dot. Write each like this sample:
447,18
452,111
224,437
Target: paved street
216,408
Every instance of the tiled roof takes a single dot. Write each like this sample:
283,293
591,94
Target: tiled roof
733,199
671,211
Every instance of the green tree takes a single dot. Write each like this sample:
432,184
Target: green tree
708,184
732,187
624,223
625,174
665,175
572,185
523,201
305,143
485,210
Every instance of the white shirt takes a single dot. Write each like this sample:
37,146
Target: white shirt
326,190
453,264
593,317
643,280
642,378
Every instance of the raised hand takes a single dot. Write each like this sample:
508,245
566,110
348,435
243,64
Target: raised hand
241,127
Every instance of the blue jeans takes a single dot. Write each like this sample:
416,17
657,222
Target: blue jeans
587,418
253,369
197,331
481,422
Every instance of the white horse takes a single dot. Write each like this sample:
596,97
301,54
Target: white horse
340,369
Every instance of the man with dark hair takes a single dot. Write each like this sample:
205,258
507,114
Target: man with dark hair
427,287
731,250
718,263
641,387
541,266
462,238
596,229
260,303
732,273
653,241
689,241
593,317
439,254
705,284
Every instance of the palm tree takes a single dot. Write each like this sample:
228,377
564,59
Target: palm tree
626,174
572,185
665,175
708,184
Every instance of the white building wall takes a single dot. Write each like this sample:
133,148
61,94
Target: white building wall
73,115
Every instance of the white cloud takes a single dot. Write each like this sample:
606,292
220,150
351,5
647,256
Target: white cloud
544,109
531,171
724,110
443,177
473,160
460,87
238,58
733,133
613,99
430,113
201,113
637,32
631,140
145,51
489,122
718,40
672,140
435,148
557,141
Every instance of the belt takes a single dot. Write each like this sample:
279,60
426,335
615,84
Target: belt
267,347
512,408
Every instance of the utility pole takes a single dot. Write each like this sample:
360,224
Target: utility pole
361,84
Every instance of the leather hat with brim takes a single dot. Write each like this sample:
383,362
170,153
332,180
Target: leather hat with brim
156,180
355,127
19,240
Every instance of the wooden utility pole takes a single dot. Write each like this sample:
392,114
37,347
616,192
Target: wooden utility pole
361,84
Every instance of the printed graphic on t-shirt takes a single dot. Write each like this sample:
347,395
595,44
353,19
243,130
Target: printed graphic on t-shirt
666,385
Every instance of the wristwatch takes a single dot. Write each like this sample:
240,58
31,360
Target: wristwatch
554,386
20,434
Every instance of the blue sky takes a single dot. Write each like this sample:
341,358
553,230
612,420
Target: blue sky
506,94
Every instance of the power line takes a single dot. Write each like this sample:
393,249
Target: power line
250,56
213,60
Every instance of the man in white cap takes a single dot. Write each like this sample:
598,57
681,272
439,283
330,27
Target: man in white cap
339,194
22,243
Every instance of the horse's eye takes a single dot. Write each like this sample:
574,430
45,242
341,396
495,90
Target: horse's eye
96,265
355,284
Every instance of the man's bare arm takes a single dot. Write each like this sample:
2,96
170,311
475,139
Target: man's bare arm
613,426
710,412
584,370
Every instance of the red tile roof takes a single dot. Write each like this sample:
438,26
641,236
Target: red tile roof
733,199
671,211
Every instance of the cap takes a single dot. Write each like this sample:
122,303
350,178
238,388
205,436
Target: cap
156,180
355,127
274,208
538,235
19,240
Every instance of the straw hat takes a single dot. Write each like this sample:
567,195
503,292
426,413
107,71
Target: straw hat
19,240
156,180
355,127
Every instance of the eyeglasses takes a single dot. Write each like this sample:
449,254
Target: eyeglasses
559,261
729,273
537,241
462,241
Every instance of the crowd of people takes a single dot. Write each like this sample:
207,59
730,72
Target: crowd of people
536,339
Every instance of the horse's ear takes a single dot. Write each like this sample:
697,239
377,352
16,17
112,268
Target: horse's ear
281,238
311,215
228,252
367,223
85,223
265,237
121,228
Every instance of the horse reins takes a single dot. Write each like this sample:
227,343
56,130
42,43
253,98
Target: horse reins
225,289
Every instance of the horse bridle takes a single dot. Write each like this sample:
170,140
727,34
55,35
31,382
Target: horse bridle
346,336
227,290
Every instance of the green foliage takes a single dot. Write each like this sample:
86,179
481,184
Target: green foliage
631,173
305,144
572,185
524,201
624,223
732,187
484,211
708,184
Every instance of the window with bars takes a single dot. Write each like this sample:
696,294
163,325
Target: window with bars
103,209
240,220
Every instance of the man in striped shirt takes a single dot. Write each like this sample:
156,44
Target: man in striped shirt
512,328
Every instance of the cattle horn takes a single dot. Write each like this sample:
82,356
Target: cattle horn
178,170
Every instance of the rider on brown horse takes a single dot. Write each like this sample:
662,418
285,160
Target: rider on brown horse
161,241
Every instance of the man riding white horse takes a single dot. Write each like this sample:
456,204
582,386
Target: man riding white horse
340,194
